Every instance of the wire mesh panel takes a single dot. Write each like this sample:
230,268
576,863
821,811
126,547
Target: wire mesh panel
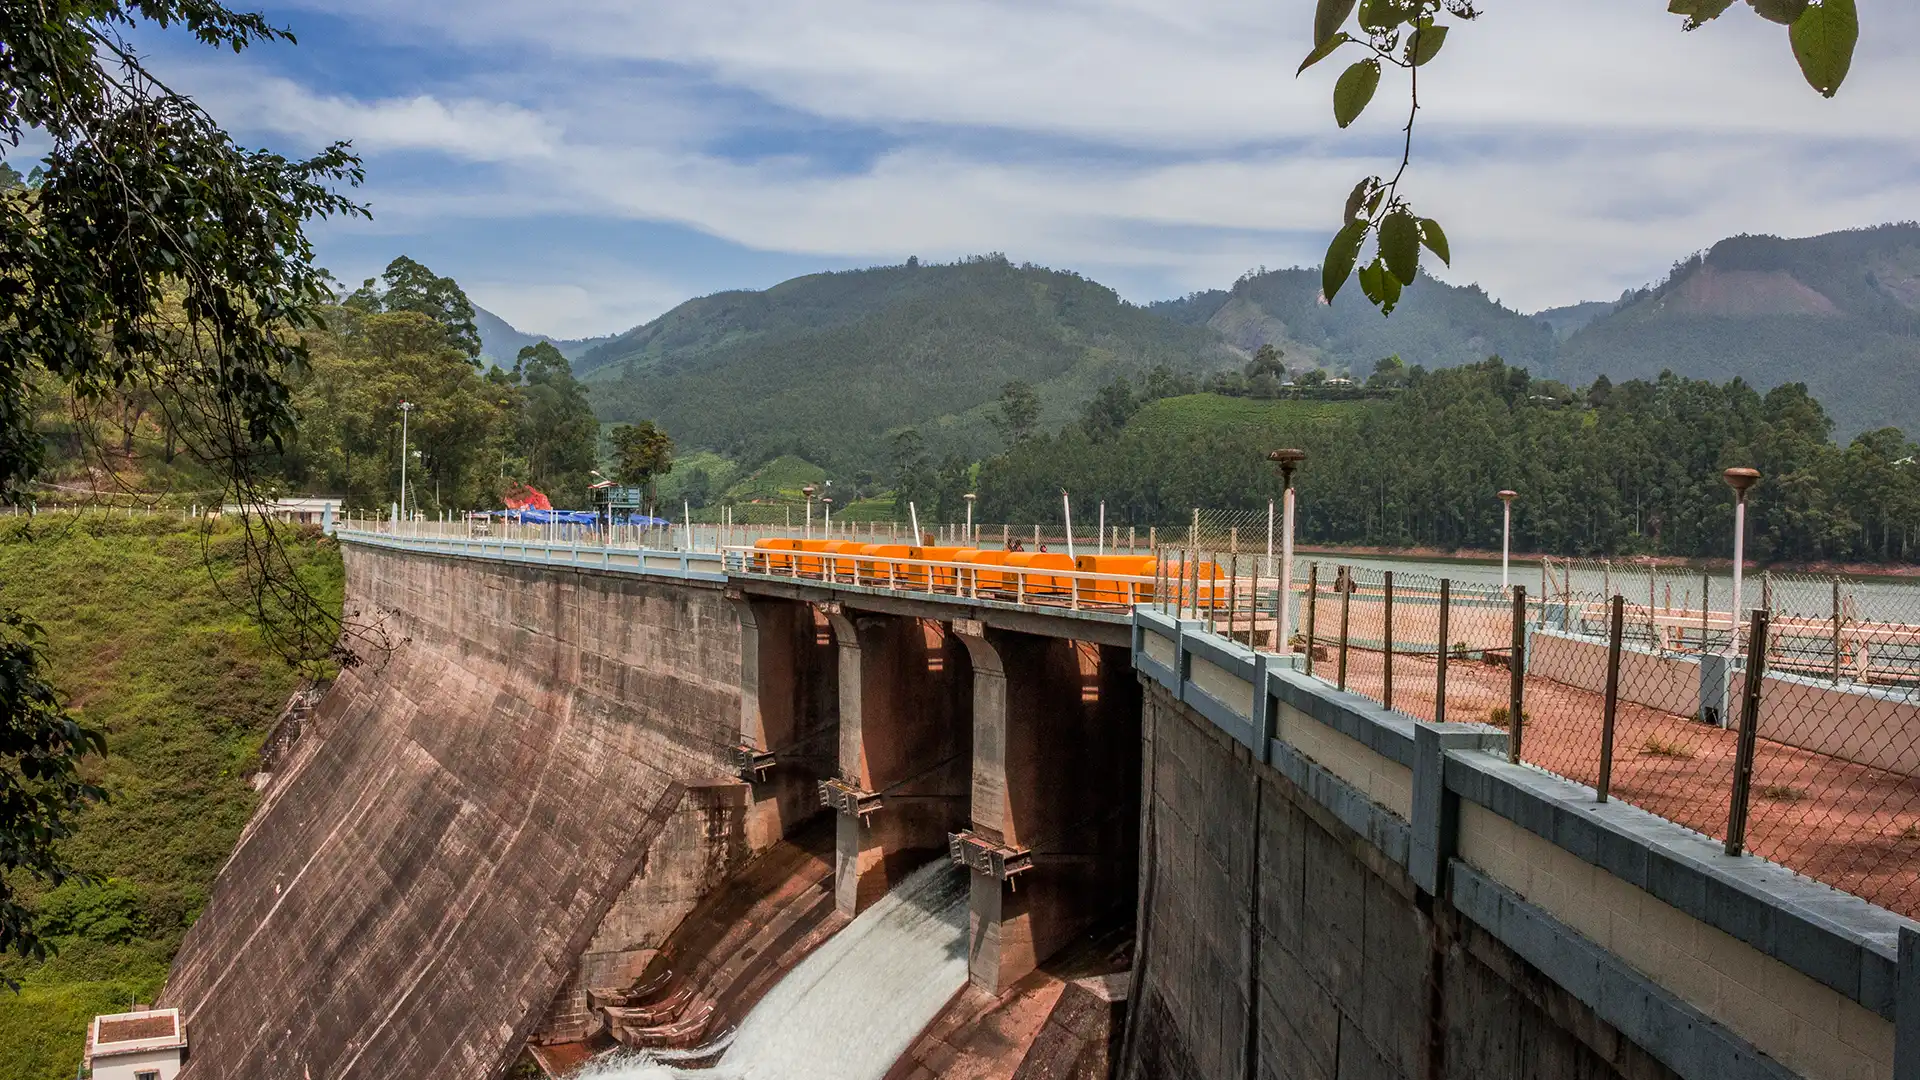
1615,699
1835,789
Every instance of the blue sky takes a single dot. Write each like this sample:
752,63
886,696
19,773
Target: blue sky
582,165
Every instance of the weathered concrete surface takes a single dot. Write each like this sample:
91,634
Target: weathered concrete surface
906,732
703,841
1056,737
1274,942
422,880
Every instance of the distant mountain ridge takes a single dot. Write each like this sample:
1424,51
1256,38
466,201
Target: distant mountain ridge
827,366
1839,312
501,342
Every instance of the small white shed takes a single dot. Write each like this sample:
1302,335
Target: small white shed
145,1044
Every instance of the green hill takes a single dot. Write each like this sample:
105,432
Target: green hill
1436,324
1217,414
1839,312
825,366
145,648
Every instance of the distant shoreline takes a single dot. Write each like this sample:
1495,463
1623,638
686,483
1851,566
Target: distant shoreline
1532,558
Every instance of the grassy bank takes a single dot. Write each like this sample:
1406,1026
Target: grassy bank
147,650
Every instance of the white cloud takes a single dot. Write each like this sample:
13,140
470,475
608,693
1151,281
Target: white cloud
1573,147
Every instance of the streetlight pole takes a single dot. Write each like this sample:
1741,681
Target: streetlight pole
970,496
406,408
1287,460
1506,534
1741,481
808,490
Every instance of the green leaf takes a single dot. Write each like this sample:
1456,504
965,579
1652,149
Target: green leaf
1322,51
1699,12
1389,293
1354,90
1341,255
1435,240
1380,15
1328,18
1357,203
1823,39
1371,278
1400,244
1784,12
1427,39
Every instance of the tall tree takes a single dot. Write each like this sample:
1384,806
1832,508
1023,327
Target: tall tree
558,433
406,285
154,253
642,453
1019,411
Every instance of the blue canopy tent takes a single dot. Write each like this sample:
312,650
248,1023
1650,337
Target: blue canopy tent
577,517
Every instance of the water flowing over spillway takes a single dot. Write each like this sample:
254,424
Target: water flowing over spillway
852,1008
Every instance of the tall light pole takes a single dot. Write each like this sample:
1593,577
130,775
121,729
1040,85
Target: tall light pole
808,490
1741,481
406,407
1288,460
826,516
1506,533
970,496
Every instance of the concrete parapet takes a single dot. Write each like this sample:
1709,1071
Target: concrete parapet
1621,944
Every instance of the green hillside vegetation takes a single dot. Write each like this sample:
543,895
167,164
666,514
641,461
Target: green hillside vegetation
779,480
146,649
1435,324
1196,415
823,367
1614,468
1839,312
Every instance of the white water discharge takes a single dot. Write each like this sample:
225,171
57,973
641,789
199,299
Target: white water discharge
852,1008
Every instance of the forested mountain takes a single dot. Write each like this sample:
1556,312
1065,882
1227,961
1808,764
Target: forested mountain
825,366
1622,468
1435,325
1839,312
500,341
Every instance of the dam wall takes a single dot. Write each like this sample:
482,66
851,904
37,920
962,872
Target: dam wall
1331,890
539,771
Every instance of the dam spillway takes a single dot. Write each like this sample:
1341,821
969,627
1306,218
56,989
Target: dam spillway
848,1011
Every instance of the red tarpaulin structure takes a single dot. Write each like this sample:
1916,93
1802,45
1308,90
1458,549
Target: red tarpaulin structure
525,497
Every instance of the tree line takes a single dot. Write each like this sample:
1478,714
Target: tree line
473,432
1608,469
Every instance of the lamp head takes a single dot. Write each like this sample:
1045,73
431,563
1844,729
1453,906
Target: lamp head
1288,460
1741,481
1507,495
808,490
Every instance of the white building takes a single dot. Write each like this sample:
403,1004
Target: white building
145,1044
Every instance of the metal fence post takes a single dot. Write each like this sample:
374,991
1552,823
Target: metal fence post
1616,628
1313,607
1440,653
1233,596
1836,632
1343,584
1749,733
1706,610
1386,635
1517,675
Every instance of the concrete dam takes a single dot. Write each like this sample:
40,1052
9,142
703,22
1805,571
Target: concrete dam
600,798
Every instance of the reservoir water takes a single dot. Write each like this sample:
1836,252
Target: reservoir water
848,1011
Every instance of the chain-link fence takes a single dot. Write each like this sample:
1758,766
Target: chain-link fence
1794,733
